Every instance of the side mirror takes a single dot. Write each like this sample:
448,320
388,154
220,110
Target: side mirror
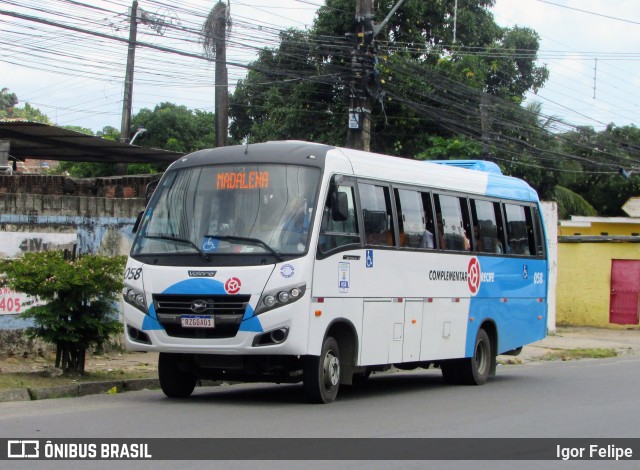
136,225
339,207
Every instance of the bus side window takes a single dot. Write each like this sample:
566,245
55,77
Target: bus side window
516,223
338,230
415,219
485,228
503,247
376,214
534,247
451,214
539,233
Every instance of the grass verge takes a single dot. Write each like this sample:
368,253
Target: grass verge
571,354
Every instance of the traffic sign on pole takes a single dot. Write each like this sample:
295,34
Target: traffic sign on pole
632,207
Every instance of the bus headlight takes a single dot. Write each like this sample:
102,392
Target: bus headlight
135,298
279,297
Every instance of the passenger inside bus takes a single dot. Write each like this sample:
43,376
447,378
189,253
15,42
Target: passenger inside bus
486,237
427,240
376,228
440,230
294,232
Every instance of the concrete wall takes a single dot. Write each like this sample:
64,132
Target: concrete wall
584,281
550,216
35,222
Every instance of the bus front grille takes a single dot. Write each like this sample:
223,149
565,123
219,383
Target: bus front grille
227,312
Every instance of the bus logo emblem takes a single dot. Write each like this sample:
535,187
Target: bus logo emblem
198,306
474,276
232,286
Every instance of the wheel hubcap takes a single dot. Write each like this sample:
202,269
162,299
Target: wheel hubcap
331,370
481,357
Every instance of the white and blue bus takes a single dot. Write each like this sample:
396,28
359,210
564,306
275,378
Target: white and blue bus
299,262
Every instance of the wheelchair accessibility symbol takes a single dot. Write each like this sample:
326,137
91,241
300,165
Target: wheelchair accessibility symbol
210,244
369,259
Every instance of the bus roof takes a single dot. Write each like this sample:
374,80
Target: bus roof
447,176
480,165
439,176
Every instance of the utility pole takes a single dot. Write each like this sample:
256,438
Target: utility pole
362,57
222,84
364,84
121,168
215,30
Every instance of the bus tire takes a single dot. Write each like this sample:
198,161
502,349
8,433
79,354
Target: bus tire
451,371
322,373
475,370
175,383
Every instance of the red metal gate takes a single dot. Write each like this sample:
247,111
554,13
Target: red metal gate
625,286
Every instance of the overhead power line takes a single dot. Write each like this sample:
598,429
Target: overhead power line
589,12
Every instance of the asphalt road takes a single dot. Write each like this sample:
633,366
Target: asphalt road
576,399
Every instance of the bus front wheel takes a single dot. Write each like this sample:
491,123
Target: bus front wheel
175,382
322,373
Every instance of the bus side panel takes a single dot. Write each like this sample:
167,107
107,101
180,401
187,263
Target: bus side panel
444,328
512,295
332,309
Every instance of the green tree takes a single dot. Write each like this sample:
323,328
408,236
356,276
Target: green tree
168,127
109,133
8,101
597,158
32,114
8,109
423,84
453,148
570,203
289,94
80,129
177,128
79,297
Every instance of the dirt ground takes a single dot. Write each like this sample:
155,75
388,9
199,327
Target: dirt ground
112,361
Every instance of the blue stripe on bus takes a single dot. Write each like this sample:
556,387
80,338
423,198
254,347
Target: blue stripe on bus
201,286
150,321
516,321
197,286
511,302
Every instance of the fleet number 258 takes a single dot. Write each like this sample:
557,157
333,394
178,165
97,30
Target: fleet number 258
538,278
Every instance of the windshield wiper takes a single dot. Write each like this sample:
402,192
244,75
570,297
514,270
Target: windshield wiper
254,241
203,255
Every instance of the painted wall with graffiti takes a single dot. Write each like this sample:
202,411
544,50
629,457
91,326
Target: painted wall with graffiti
103,229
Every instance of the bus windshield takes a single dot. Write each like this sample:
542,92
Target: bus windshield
227,209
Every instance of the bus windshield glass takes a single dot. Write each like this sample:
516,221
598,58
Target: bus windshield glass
227,209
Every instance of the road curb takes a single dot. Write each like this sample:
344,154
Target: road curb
61,391
78,390
18,394
135,385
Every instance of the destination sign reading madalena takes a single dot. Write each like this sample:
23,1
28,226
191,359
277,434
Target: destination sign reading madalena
243,180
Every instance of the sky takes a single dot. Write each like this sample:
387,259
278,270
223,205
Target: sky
77,79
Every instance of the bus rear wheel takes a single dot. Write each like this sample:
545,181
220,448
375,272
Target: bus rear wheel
475,370
471,370
175,382
322,373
